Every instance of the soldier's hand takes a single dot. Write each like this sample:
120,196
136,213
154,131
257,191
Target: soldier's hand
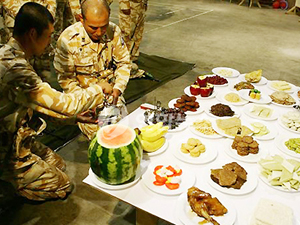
116,93
126,11
88,116
106,87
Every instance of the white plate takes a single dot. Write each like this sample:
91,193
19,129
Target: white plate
159,151
262,81
101,184
188,217
247,187
199,110
279,188
280,143
209,155
292,90
247,110
198,133
264,99
188,179
286,106
236,112
269,136
234,73
188,92
285,127
251,158
221,132
221,97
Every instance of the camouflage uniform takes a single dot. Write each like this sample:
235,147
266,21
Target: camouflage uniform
34,170
11,8
132,27
79,62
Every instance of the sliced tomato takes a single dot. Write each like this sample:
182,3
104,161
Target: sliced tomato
157,168
172,170
160,179
158,183
178,173
172,186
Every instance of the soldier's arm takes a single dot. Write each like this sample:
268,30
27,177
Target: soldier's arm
11,7
65,67
39,96
122,58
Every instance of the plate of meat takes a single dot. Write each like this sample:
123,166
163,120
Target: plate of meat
192,209
192,108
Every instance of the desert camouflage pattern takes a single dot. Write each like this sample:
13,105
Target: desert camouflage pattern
11,8
79,63
132,25
33,169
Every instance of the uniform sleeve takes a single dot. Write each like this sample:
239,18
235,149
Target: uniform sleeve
31,92
51,6
65,67
122,58
75,6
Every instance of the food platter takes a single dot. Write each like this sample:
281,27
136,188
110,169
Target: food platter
188,217
262,81
286,106
265,99
226,72
159,151
231,87
218,85
273,132
199,110
251,158
247,110
209,155
292,90
188,179
280,143
222,133
188,92
181,126
101,184
279,188
247,187
281,123
221,97
236,113
198,133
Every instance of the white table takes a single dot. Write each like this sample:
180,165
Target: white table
164,207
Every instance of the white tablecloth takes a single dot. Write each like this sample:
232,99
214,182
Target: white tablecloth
164,207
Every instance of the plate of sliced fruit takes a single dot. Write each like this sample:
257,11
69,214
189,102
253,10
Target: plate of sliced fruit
254,95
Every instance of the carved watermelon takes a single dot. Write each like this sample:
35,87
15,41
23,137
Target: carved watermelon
115,154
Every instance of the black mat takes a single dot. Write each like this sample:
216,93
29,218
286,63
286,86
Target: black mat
56,135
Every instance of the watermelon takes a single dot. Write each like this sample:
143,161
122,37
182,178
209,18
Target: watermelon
115,154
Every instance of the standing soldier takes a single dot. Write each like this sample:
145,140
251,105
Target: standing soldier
132,15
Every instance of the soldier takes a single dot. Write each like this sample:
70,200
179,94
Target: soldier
132,15
90,51
33,169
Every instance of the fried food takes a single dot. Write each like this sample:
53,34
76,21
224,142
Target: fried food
232,175
187,103
243,85
282,98
245,145
254,76
204,205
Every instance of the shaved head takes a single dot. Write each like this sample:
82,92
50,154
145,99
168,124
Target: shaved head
94,7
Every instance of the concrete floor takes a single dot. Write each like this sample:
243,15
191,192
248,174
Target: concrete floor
209,33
